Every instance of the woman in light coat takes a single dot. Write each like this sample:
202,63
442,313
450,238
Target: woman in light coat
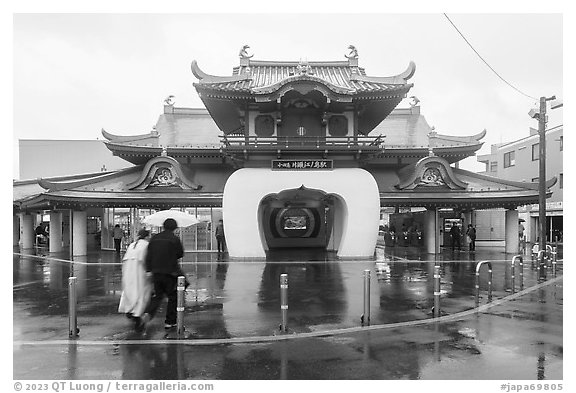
136,287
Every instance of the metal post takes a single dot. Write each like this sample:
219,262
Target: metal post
541,264
180,306
489,282
436,291
554,260
477,283
284,301
513,266
365,319
72,302
512,274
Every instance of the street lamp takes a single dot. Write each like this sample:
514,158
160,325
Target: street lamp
542,118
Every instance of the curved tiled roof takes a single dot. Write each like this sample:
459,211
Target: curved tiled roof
260,76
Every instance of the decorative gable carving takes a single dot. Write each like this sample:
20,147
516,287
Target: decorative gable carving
429,173
162,172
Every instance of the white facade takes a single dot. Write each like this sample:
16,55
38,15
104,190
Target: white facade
357,208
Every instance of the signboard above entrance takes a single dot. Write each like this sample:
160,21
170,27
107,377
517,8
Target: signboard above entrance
302,165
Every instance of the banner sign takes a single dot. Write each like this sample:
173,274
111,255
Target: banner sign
302,165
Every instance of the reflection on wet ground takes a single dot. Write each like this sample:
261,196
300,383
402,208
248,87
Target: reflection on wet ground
229,299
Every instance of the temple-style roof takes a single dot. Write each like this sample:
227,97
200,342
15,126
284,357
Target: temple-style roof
161,183
191,133
265,77
265,83
164,182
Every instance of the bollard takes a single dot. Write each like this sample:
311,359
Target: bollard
180,306
554,260
478,266
365,318
284,301
541,264
513,269
72,302
436,291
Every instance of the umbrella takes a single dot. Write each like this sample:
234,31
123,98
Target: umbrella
182,219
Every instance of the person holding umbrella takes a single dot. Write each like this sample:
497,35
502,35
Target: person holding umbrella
164,251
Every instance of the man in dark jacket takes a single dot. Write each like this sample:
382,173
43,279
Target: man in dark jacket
455,233
164,250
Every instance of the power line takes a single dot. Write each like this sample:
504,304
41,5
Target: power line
485,62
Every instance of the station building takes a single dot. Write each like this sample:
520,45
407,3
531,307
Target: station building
290,154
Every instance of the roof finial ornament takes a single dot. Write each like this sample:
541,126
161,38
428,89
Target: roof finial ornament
244,53
303,67
414,101
353,52
431,134
169,100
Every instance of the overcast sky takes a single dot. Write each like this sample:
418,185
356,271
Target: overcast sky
75,74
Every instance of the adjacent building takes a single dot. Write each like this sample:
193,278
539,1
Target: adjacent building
519,161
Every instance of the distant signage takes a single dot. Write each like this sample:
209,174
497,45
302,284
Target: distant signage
302,165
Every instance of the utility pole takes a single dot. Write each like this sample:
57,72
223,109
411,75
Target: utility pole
542,179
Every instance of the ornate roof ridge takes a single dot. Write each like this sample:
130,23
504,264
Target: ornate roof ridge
467,138
520,184
128,138
275,86
415,175
207,78
56,186
289,63
399,79
172,175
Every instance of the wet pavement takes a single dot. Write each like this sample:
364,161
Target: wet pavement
233,313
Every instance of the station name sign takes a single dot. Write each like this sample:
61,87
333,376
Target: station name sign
302,165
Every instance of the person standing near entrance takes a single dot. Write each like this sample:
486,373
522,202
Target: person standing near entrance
117,234
164,251
220,239
471,234
455,234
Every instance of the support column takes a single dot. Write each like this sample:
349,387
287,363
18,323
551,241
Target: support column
55,231
15,230
430,238
467,219
79,223
26,231
511,234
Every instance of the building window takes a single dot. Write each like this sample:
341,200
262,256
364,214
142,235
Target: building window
561,142
493,166
509,159
264,125
338,125
535,152
561,181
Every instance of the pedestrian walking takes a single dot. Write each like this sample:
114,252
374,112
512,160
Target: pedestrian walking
136,286
117,234
220,239
455,234
164,251
471,237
